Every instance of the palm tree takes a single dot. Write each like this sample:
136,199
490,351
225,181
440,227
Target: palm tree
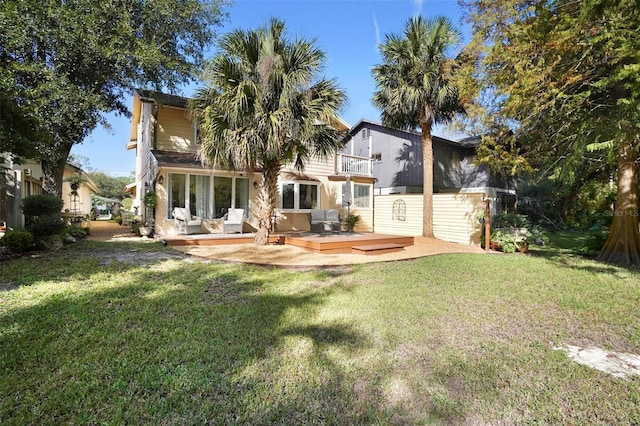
416,88
263,106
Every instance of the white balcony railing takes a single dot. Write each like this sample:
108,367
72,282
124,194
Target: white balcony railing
352,165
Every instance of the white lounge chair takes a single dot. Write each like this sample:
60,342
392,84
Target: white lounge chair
185,222
233,221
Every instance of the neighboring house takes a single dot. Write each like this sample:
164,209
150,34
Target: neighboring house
397,164
17,181
167,161
77,201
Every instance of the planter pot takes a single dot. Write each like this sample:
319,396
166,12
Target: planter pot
145,231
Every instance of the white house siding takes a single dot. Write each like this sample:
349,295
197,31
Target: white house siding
386,223
143,151
454,216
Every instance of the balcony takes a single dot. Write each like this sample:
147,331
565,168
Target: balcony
352,165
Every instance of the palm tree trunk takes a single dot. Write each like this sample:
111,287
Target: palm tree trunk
267,200
623,244
427,179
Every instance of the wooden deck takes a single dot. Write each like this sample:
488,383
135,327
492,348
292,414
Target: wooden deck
317,243
344,243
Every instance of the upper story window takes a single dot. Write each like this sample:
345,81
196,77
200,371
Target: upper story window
299,195
377,157
365,133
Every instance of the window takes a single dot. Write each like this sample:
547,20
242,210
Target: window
365,133
177,184
221,195
242,195
288,196
299,196
361,196
206,199
377,157
506,203
199,196
308,196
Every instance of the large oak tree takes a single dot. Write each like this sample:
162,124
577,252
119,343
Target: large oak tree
565,78
64,64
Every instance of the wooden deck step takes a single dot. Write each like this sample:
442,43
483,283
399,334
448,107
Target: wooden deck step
377,248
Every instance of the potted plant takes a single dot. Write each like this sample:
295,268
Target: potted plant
351,221
150,200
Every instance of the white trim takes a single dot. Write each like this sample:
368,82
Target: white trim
296,195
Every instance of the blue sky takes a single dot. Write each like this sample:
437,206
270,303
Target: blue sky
348,31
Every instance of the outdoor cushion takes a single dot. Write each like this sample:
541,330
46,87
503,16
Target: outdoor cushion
324,220
233,221
332,216
185,222
317,216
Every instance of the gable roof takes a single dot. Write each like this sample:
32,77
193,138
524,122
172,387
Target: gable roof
470,142
162,98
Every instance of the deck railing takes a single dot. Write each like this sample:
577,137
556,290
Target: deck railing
352,165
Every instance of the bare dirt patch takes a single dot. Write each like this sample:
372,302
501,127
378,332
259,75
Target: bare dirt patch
618,364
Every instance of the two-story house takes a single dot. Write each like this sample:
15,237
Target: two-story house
397,164
167,161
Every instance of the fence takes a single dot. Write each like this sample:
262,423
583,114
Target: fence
454,216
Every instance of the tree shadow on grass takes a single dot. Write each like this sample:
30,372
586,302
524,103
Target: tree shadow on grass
170,343
584,262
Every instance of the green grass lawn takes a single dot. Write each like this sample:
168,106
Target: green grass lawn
453,339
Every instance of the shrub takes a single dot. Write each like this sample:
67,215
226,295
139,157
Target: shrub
537,236
41,205
42,217
511,220
40,230
17,241
77,232
596,237
506,241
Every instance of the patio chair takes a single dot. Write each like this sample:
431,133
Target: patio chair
233,221
185,222
127,218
